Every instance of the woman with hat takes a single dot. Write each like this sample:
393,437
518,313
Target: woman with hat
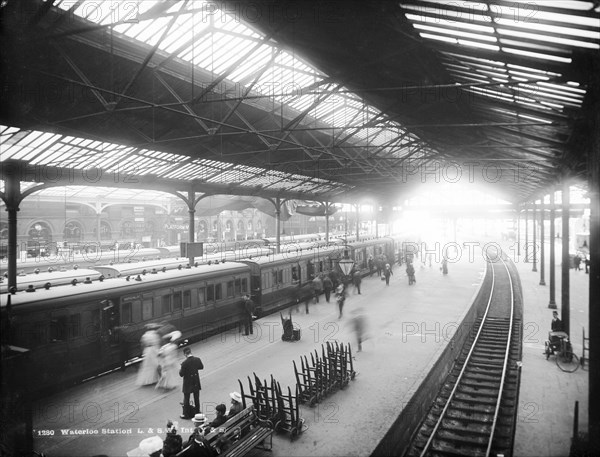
167,355
148,372
236,404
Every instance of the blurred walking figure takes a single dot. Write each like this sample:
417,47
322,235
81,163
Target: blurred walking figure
150,342
356,280
387,273
444,266
327,287
359,325
410,272
167,356
340,296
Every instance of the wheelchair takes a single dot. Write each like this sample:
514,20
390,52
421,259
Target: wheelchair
559,345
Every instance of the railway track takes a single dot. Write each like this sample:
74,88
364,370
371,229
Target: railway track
475,410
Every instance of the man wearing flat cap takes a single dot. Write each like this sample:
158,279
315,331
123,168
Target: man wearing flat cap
191,383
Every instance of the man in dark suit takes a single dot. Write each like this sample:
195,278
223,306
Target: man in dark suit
191,383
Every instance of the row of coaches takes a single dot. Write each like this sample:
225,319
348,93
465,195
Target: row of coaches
133,253
76,331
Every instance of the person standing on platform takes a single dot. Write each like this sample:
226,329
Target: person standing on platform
249,307
148,373
371,265
356,279
327,287
167,356
318,287
191,383
444,267
387,272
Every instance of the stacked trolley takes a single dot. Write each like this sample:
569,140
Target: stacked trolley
325,374
273,405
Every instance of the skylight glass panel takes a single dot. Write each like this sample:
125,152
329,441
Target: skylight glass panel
439,38
537,55
549,38
557,30
457,33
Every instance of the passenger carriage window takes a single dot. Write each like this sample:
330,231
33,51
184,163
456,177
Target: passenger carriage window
218,291
126,317
74,325
320,266
201,296
238,287
274,276
177,301
280,277
166,304
295,274
147,309
58,328
40,333
244,285
210,293
187,299
229,289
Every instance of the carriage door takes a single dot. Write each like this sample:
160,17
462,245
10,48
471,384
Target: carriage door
109,333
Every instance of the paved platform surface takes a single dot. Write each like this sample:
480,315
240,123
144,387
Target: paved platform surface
548,395
408,326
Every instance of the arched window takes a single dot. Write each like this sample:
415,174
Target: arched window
240,226
127,230
250,226
39,238
105,231
229,227
73,231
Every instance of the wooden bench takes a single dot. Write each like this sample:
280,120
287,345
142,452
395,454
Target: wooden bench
243,432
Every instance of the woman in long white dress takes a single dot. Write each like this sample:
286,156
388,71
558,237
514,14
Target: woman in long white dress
148,372
169,368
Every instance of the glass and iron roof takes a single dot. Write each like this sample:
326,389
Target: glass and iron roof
539,32
61,151
221,42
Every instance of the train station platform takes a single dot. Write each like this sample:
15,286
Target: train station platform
548,395
408,327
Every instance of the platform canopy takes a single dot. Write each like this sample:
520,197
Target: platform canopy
321,101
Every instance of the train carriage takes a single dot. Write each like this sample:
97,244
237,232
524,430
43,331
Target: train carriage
85,260
38,280
276,280
153,266
72,332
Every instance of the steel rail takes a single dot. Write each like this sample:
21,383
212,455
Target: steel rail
465,363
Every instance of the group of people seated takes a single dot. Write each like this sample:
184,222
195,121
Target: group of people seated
197,444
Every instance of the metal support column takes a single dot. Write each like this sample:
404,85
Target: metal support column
518,234
12,199
552,302
357,222
526,236
566,261
327,206
278,223
533,220
542,245
593,155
